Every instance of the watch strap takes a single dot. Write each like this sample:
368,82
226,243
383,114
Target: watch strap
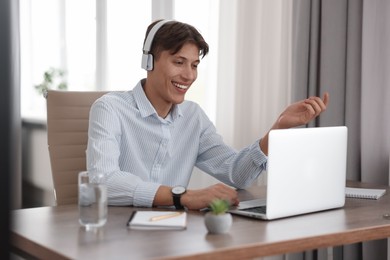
176,201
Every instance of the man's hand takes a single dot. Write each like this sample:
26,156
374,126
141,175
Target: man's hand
299,113
199,199
302,112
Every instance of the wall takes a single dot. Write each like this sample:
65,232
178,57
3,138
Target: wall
37,180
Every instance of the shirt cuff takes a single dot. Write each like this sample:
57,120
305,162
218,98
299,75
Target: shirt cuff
144,194
258,156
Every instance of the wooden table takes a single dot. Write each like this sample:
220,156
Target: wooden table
54,233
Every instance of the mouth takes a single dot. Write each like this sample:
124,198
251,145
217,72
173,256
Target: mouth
180,86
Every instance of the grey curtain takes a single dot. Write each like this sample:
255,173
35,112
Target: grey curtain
327,57
375,104
10,130
341,46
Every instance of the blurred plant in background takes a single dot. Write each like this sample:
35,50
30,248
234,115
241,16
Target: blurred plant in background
52,79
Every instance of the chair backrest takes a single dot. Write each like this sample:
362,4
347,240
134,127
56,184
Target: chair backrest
67,135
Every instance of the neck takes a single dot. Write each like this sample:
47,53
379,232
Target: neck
163,114
162,108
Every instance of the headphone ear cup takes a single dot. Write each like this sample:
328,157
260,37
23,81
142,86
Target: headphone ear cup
150,62
147,61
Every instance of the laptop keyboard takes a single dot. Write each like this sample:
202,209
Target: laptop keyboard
261,209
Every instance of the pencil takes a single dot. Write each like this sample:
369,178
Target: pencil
161,217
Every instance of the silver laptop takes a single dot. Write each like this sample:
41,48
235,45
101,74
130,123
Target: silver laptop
306,172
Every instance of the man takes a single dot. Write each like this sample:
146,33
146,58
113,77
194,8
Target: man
146,141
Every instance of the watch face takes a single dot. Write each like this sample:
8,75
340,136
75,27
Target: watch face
178,190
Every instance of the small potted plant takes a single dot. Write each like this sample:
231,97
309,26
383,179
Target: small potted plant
218,220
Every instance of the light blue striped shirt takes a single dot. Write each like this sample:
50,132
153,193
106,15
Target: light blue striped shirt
138,151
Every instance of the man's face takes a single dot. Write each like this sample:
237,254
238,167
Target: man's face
172,76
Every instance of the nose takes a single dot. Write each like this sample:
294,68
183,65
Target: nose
190,73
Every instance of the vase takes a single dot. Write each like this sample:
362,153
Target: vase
218,224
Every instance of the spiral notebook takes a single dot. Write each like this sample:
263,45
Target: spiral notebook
364,193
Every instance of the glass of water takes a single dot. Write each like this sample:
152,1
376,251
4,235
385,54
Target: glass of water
92,202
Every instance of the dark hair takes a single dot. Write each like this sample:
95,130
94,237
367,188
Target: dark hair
173,35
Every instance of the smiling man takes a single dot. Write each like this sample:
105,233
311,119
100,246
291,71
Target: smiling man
172,77
147,141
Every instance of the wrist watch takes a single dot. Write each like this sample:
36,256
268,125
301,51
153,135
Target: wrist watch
176,195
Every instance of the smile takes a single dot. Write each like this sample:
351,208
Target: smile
180,86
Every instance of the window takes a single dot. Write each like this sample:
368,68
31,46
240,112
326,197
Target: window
98,43
126,25
56,34
204,15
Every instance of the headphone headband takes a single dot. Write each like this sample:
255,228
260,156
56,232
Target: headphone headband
147,59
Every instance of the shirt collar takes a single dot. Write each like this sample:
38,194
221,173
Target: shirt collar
146,108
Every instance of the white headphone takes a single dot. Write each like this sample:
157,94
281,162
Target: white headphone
147,58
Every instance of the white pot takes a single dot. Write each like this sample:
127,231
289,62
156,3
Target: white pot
218,224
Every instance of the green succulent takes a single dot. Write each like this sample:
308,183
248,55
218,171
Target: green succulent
219,206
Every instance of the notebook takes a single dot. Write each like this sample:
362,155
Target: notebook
364,193
157,220
306,172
